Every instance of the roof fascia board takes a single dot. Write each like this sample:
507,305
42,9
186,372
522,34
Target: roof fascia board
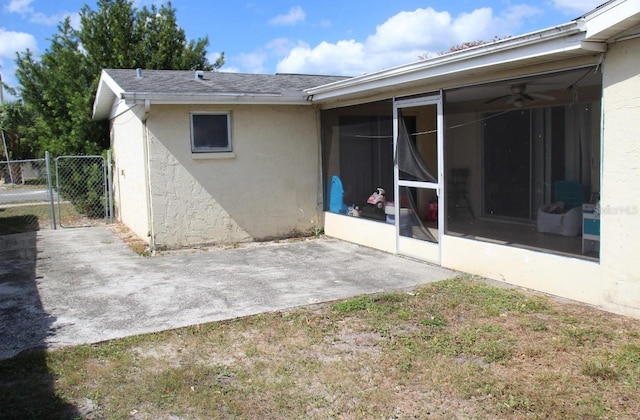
480,60
221,98
599,47
113,85
108,90
99,98
611,18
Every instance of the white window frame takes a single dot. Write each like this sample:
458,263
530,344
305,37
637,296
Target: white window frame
195,149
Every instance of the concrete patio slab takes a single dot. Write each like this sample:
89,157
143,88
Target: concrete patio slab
74,286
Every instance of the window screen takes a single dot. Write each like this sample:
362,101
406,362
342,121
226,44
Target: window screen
210,133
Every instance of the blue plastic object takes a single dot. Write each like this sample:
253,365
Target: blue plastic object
336,196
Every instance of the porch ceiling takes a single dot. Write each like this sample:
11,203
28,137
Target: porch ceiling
542,84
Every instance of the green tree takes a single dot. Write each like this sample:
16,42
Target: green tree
15,122
117,35
162,44
107,34
58,88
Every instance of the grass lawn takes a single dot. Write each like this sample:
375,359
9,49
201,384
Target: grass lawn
453,349
24,218
30,217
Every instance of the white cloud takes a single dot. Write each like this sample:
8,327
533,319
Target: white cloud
22,7
279,46
402,39
258,61
576,7
344,57
12,42
295,15
230,69
213,56
51,20
252,62
75,20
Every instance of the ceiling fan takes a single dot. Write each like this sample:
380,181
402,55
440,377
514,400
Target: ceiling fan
519,96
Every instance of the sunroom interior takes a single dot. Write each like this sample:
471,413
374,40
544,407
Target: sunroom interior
520,158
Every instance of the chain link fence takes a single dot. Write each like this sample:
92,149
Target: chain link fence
74,192
26,200
83,190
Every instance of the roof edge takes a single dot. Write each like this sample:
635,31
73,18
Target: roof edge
108,91
610,19
495,47
217,98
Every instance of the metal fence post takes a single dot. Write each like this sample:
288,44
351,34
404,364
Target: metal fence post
50,190
58,190
110,185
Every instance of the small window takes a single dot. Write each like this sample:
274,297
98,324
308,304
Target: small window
210,133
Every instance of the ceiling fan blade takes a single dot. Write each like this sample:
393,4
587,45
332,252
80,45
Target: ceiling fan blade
527,97
496,99
512,99
541,96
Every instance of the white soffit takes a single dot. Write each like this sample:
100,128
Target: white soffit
611,19
106,96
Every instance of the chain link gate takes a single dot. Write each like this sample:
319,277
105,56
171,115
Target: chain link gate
83,187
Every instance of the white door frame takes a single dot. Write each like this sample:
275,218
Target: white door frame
415,248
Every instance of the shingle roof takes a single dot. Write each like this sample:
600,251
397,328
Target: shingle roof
185,82
182,86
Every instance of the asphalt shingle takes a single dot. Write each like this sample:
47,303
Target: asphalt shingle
185,82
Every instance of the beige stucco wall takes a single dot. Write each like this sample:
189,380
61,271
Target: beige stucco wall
269,188
361,231
620,224
571,278
129,172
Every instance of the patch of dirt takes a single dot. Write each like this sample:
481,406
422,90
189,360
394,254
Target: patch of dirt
86,409
352,342
134,242
166,352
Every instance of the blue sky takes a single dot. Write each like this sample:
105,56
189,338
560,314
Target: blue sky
345,37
